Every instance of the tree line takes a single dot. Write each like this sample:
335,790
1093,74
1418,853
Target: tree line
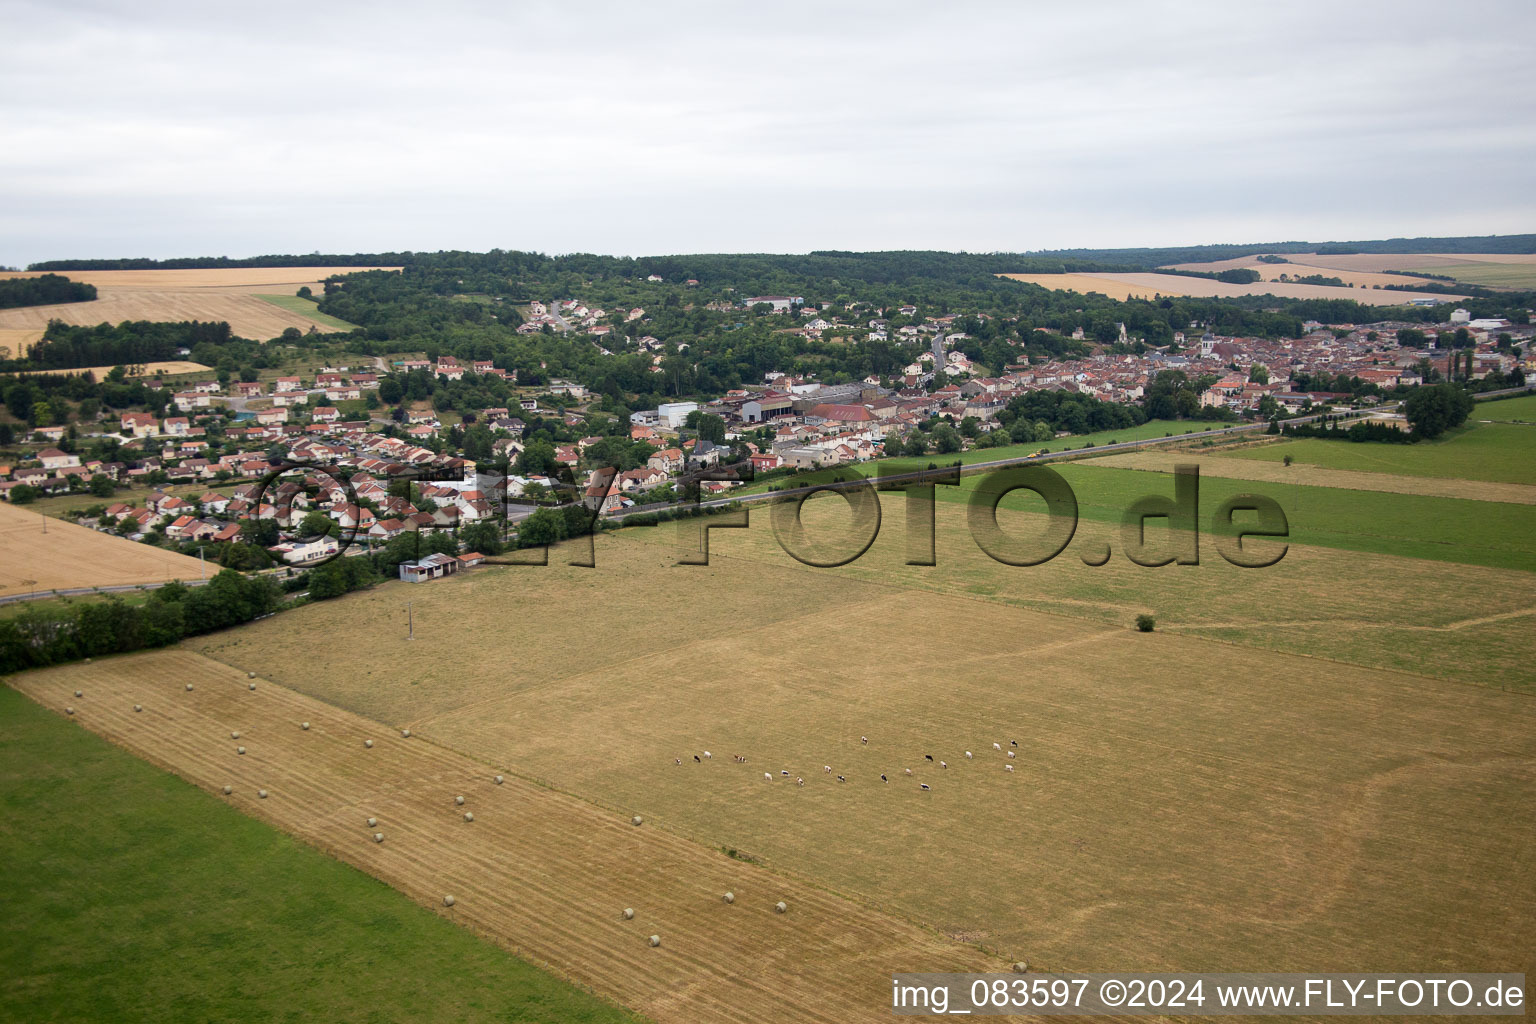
46,290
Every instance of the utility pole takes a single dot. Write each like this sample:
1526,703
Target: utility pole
202,565
410,623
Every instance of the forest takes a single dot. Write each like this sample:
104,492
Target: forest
47,290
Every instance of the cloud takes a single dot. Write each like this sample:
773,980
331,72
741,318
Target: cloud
176,129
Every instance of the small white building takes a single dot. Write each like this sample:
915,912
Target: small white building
673,415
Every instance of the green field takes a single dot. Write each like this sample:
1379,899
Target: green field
1506,410
1500,452
306,307
130,895
1489,275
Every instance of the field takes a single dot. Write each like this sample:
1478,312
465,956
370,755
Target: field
14,342
164,368
307,308
70,556
540,872
198,912
234,295
1145,286
1499,452
1176,797
1508,410
1492,270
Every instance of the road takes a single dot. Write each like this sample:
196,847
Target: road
1018,460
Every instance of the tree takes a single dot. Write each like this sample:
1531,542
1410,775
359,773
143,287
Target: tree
546,526
1259,374
1433,409
23,494
102,486
390,391
712,428
946,439
316,524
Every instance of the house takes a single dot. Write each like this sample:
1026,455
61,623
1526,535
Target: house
248,388
140,424
176,426
432,567
668,460
269,417
288,385
52,458
471,559
326,414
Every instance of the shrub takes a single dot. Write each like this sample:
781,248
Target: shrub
1145,623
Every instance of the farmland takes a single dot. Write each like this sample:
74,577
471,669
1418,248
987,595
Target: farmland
1499,452
306,308
14,342
1164,777
248,922
162,368
72,556
541,872
1491,270
234,295
1122,286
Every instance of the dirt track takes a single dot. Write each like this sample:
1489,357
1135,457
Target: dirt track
539,872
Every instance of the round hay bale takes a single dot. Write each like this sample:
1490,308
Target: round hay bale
87,661
189,687
261,793
234,735
378,837
372,822
250,675
459,800
405,734
447,901
79,694
637,820
469,815
138,707
251,687
768,776
69,711
1020,967
304,726
781,907
239,750
498,780
368,744
730,897
629,913
228,790
655,940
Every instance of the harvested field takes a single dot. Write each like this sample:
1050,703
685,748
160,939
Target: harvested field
1256,464
1288,804
166,368
73,556
1301,266
14,342
231,294
540,872
1145,286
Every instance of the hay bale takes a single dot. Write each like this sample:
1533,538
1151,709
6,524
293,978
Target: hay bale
498,780
469,815
189,687
655,940
372,822
637,820
239,750
368,744
234,735
69,711
261,793
251,687
405,734
768,776
730,897
378,837
459,800
447,901
138,707
781,907
228,790
629,913
250,675
1020,967
304,726
79,694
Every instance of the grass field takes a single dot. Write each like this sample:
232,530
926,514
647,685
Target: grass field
171,905
230,294
1147,285
72,556
540,872
1499,452
1521,409
1176,799
1520,276
307,308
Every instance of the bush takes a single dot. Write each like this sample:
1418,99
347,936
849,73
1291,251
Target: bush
1145,623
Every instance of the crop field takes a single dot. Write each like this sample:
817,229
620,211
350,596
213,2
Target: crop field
163,368
1288,803
307,308
14,342
72,556
1492,270
543,873
248,922
230,294
1498,452
1148,285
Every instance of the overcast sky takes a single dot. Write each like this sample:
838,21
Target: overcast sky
170,129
